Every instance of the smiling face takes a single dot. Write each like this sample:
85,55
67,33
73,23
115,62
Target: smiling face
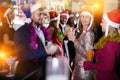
85,19
63,19
36,17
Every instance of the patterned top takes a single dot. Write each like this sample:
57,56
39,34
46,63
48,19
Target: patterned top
85,41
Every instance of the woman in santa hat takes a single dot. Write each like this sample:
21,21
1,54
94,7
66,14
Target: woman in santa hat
107,51
54,30
83,41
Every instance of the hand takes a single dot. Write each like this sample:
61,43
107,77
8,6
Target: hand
71,37
49,52
80,63
58,52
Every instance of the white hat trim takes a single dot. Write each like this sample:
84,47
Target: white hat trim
90,25
64,14
72,15
35,7
112,24
109,22
54,19
87,13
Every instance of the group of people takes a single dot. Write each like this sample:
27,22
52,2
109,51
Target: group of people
73,42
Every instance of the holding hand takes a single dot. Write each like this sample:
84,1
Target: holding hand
80,63
49,52
53,49
71,37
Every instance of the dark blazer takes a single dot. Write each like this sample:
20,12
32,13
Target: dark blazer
22,44
29,60
70,44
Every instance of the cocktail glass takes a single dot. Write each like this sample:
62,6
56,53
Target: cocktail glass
10,60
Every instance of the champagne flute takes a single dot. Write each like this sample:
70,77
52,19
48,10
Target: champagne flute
10,60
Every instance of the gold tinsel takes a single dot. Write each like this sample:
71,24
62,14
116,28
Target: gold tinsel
112,37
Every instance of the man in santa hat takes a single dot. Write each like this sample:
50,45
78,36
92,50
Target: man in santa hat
30,47
64,15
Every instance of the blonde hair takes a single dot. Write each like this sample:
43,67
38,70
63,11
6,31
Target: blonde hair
113,30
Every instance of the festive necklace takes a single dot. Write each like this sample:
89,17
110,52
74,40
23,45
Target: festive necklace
33,38
112,37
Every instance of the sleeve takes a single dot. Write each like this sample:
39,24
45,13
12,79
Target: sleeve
22,47
106,60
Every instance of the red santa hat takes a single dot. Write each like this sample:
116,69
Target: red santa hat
88,11
112,19
53,15
64,13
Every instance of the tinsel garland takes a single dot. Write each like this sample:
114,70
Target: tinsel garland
112,37
33,37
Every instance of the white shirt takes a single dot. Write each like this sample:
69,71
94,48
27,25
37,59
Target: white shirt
40,35
63,27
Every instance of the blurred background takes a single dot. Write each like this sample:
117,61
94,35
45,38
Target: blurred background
99,6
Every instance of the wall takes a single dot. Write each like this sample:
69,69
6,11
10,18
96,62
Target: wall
110,5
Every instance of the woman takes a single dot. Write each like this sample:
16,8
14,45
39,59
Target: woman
8,35
108,49
83,43
55,32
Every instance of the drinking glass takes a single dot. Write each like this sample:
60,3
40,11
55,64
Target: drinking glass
56,69
10,60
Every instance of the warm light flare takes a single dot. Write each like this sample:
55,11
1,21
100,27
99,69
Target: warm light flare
97,5
0,23
2,54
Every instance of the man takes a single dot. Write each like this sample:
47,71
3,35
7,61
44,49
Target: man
68,46
30,48
63,20
62,25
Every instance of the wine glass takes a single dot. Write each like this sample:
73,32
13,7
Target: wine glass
3,63
56,69
10,60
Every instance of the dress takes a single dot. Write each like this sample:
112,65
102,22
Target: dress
84,42
107,59
55,38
